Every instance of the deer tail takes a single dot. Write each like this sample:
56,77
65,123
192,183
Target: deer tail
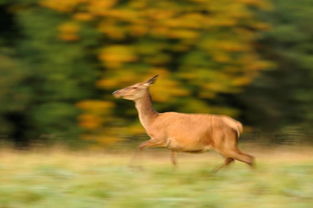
239,128
235,125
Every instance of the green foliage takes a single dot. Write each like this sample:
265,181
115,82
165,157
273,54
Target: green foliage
44,78
60,61
13,97
201,49
283,97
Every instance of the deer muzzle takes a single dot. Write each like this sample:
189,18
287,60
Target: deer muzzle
116,93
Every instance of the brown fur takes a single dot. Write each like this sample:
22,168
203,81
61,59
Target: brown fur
180,132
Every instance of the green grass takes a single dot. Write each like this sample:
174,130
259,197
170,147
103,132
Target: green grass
83,180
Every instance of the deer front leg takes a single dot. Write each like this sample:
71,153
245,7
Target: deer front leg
149,143
173,158
158,143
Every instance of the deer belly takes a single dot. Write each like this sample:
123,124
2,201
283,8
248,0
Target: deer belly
186,146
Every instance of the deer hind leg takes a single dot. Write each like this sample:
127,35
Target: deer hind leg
228,161
228,148
246,158
240,156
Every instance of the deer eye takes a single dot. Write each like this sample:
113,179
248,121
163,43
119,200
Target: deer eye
134,88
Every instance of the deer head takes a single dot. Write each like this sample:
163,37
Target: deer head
135,91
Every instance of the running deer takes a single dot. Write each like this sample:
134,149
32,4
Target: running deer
181,132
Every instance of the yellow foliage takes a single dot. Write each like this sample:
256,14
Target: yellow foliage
160,31
69,27
114,56
198,45
104,140
257,3
122,79
68,31
62,5
111,30
123,14
166,89
184,34
68,37
108,83
135,129
101,139
95,106
221,57
216,86
207,94
262,26
83,16
231,46
99,7
138,30
193,20
89,121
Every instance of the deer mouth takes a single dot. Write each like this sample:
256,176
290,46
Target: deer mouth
119,95
116,94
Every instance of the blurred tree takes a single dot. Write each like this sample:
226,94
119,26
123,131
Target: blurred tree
283,98
60,61
46,79
201,48
13,95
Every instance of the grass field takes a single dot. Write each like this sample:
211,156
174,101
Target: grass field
63,179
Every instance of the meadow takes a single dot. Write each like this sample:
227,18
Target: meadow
68,179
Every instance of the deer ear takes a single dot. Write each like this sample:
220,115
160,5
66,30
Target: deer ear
152,80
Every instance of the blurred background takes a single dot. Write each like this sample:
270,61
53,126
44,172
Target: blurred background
61,60
65,142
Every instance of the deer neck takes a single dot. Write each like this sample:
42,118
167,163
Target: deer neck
145,110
